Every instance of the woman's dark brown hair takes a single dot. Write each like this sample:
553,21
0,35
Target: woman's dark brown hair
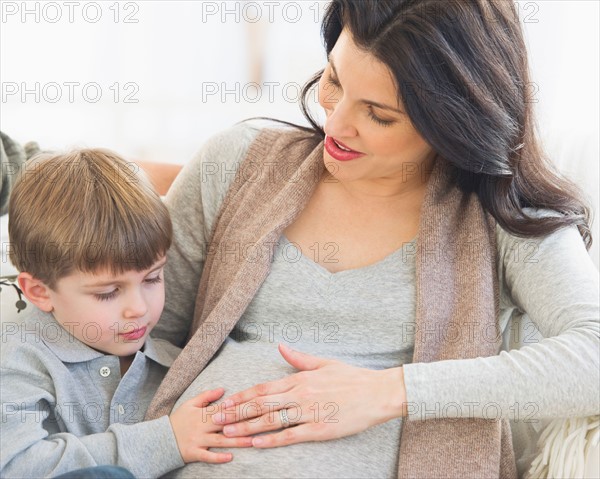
462,75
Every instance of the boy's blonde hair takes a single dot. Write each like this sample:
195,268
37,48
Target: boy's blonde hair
87,210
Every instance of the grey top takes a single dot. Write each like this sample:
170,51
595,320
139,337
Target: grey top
366,317
12,158
65,405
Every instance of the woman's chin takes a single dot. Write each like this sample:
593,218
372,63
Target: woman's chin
341,170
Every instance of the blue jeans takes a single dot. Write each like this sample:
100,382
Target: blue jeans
98,472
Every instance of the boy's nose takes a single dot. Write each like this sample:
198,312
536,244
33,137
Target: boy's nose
136,306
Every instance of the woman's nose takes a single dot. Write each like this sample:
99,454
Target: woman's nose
339,122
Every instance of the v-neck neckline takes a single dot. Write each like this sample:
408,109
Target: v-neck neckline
346,272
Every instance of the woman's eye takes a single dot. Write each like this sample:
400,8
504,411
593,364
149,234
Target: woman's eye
379,121
106,296
332,81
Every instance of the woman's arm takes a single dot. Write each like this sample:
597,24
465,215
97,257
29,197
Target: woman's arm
557,377
194,201
555,283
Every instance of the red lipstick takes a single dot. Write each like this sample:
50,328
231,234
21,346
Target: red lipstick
333,148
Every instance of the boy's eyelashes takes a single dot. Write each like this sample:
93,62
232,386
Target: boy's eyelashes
155,280
106,296
112,294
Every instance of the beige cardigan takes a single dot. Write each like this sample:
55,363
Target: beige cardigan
457,286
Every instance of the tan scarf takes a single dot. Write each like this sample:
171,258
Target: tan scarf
457,287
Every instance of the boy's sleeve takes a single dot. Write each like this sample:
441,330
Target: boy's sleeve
146,449
194,201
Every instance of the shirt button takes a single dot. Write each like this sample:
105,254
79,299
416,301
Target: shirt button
121,409
105,372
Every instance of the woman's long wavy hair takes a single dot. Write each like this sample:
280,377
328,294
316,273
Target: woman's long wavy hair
462,75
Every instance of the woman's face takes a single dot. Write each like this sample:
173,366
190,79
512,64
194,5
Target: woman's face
363,114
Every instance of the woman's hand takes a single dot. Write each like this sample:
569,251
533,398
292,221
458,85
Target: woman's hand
326,400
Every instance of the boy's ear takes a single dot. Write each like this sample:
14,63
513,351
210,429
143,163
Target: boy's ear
35,291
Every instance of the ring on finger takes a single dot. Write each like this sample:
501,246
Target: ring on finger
283,416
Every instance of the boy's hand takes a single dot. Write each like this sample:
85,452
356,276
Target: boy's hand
195,432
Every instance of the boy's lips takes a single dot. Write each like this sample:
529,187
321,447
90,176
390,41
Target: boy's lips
135,334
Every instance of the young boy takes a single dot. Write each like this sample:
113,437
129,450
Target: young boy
89,237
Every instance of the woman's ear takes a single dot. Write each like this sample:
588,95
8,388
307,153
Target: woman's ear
35,291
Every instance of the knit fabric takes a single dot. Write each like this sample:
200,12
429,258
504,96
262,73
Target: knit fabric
456,287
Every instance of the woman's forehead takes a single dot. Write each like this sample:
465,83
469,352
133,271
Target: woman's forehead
361,73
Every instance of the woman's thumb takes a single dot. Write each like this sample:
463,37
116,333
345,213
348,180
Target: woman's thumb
301,361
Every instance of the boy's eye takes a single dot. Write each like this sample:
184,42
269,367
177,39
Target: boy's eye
154,280
106,296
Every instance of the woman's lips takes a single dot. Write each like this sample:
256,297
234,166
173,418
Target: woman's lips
337,153
135,334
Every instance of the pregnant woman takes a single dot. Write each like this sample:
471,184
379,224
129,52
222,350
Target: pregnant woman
393,254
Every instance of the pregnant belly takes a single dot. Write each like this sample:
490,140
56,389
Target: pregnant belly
372,453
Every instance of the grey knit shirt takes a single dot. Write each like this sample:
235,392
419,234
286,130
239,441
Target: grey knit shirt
65,405
366,317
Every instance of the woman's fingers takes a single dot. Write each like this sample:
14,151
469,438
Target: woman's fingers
253,409
270,421
301,361
238,400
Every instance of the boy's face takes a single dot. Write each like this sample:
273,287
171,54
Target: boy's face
112,314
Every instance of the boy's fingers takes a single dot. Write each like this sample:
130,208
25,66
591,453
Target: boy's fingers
218,440
213,457
205,398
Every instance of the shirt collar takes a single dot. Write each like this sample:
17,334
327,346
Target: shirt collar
69,349
62,343
160,351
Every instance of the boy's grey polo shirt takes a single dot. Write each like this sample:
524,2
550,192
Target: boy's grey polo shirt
65,405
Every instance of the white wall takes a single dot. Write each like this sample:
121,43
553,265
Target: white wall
173,58
177,51
564,54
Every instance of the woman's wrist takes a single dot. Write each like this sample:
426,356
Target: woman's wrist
394,393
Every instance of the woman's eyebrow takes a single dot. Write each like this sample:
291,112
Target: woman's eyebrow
367,102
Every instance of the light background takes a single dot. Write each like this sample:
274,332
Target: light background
189,65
